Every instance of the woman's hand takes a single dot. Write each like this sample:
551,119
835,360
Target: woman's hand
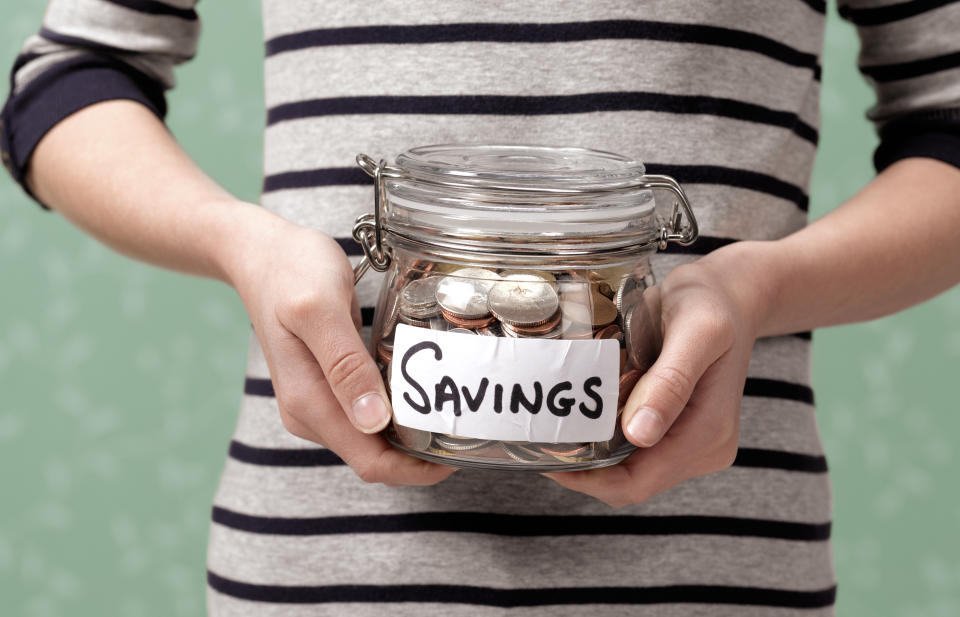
684,413
297,286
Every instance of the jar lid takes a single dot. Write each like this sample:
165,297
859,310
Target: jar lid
519,198
545,169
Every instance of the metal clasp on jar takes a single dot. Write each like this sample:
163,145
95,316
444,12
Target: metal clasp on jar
368,228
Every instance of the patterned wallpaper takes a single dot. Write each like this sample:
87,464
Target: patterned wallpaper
120,382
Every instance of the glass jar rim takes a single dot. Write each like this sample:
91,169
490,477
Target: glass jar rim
526,169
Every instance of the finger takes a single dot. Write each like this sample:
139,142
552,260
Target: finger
703,440
311,411
325,324
694,338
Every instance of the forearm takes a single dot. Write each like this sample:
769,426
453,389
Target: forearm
892,245
115,171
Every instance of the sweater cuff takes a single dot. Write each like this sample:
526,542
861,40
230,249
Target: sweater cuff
934,135
60,91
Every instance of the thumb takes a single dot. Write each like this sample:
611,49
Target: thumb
691,343
334,341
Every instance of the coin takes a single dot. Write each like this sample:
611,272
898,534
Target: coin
520,453
461,331
588,308
605,290
410,321
413,438
627,381
463,293
492,330
574,330
523,300
625,292
642,333
419,298
537,330
540,274
612,331
555,332
569,452
387,376
392,312
384,352
458,322
454,443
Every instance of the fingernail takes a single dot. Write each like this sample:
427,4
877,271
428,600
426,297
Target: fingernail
370,413
645,427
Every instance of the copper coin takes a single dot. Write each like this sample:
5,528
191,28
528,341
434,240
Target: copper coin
470,324
388,375
384,353
543,328
612,331
463,293
523,300
565,449
627,381
576,454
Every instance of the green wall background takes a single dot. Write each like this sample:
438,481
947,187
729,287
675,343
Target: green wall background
119,383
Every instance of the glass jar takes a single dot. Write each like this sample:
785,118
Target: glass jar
518,308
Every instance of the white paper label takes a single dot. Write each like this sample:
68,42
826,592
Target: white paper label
505,388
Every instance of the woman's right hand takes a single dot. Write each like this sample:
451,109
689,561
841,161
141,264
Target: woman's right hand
297,286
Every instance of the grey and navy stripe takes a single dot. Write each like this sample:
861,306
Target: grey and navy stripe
723,96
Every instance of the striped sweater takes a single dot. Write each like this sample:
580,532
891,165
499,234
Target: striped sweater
721,95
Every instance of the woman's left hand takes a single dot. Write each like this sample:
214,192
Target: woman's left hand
684,413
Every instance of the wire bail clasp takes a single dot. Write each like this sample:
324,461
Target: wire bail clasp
673,230
368,228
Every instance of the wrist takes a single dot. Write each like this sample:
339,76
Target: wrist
752,272
243,231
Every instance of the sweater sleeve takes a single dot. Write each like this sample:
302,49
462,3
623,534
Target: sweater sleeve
910,54
88,51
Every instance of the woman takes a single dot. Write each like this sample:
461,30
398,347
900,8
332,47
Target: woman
723,98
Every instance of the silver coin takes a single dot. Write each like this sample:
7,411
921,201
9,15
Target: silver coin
392,314
411,321
625,292
419,298
439,323
512,332
523,300
453,443
462,331
642,335
521,454
463,293
591,308
543,275
491,330
413,438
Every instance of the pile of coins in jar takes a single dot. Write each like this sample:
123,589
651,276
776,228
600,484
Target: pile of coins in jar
571,304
